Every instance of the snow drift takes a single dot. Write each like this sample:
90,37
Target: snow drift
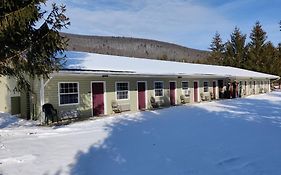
239,136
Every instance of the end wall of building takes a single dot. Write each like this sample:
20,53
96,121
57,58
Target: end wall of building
9,99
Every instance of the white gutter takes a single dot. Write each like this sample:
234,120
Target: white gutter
140,74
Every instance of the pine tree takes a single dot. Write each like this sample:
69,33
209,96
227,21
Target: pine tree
270,63
257,55
235,49
257,52
217,51
277,64
26,49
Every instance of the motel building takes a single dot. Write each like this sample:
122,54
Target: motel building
98,85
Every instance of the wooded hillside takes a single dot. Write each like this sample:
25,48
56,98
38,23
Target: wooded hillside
133,47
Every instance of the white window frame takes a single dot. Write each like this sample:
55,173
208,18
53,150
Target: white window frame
128,98
158,89
59,93
185,90
204,86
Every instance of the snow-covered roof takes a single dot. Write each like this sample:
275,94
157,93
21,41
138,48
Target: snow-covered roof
107,63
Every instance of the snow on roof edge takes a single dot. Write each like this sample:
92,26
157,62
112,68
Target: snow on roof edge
112,63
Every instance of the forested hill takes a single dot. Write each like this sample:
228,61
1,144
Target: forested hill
133,47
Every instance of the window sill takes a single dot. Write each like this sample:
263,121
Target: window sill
71,104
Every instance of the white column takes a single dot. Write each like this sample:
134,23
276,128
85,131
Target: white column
42,91
269,88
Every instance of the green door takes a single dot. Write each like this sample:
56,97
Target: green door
15,105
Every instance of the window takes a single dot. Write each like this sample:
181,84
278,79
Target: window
185,89
122,90
206,86
158,88
68,93
265,85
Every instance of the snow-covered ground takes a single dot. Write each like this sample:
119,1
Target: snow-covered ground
233,137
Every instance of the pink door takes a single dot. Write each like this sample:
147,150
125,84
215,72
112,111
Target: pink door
97,98
214,89
141,95
195,91
172,93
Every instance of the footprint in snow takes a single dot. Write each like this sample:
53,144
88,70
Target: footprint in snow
18,159
231,160
2,146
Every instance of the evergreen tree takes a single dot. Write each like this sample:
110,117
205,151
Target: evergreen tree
235,49
277,64
29,50
270,63
217,51
257,55
257,52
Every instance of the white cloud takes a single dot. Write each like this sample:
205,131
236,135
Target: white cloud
184,22
181,22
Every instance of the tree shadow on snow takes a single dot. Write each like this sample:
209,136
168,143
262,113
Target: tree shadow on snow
239,136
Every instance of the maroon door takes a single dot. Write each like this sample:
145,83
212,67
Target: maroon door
254,87
97,98
237,86
220,86
141,95
195,91
214,89
172,93
245,88
231,90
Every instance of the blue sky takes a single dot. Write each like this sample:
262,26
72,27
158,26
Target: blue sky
190,23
